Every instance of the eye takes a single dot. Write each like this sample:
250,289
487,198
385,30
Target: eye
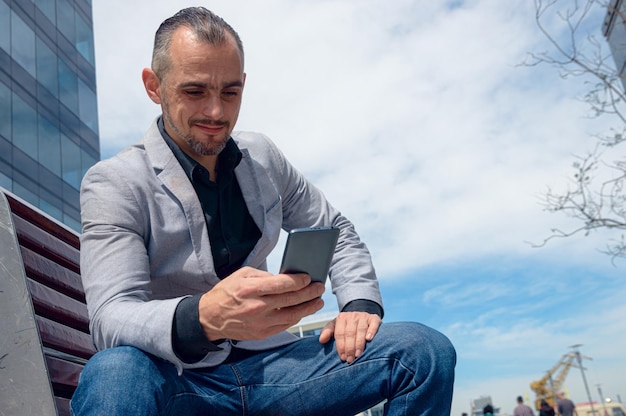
231,93
194,93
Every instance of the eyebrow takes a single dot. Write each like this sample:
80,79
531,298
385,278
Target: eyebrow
192,84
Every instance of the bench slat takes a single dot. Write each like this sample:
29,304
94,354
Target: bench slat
63,406
42,221
46,244
52,275
64,373
64,338
58,307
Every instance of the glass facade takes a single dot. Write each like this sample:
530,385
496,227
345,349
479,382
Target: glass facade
614,29
48,107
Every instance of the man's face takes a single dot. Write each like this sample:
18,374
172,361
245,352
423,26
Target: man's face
201,93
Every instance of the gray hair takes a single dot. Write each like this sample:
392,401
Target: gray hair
205,24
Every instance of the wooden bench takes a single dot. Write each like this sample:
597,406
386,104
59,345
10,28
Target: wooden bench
44,329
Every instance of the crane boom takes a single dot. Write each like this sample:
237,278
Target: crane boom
547,387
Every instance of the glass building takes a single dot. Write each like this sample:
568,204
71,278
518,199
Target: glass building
48,108
614,29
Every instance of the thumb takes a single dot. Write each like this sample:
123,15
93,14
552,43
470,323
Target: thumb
327,332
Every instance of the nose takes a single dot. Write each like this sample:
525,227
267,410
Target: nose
213,107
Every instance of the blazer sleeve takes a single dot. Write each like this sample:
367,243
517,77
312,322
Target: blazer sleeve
115,267
352,272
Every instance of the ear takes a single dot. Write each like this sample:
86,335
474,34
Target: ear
152,85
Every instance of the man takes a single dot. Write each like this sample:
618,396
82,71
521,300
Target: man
565,406
521,409
176,231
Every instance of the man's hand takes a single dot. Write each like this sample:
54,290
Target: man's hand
352,330
252,304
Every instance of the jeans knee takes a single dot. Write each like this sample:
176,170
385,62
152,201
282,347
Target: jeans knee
120,368
415,338
111,375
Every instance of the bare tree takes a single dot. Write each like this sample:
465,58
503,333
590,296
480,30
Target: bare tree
596,194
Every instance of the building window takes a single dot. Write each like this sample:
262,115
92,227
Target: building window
87,161
51,209
49,146
68,87
6,182
24,188
88,106
70,162
5,27
5,110
48,8
65,20
47,68
23,44
24,126
71,222
84,40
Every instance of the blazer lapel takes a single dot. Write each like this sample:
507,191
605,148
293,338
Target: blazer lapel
174,179
260,196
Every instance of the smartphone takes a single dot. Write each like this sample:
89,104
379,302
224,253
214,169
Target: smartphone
310,251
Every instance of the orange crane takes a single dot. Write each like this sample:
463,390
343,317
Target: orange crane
547,388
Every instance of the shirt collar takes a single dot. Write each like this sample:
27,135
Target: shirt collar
227,160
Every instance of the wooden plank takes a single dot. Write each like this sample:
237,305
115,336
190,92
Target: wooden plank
58,307
53,275
63,373
46,244
43,222
64,338
63,406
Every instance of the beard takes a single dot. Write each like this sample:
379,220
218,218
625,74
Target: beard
197,146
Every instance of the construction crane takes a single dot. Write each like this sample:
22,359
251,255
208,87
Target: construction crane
547,388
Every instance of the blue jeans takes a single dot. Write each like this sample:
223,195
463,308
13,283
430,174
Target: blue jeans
408,364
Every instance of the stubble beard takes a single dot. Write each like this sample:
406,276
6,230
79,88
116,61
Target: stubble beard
198,147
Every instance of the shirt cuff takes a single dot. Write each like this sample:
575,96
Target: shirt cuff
188,339
364,305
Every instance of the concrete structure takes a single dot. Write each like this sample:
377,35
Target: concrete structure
479,404
48,109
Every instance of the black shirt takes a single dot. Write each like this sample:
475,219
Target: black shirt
232,231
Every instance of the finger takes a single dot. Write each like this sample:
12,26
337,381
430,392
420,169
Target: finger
360,337
284,283
294,298
355,335
373,326
327,332
293,314
340,341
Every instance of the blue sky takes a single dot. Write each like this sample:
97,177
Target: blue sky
418,121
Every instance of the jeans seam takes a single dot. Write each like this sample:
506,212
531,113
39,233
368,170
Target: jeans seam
242,390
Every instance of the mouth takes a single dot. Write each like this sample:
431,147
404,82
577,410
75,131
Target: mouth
211,128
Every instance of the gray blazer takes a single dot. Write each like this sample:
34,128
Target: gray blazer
145,244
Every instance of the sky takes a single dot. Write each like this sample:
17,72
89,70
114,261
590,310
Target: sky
418,121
